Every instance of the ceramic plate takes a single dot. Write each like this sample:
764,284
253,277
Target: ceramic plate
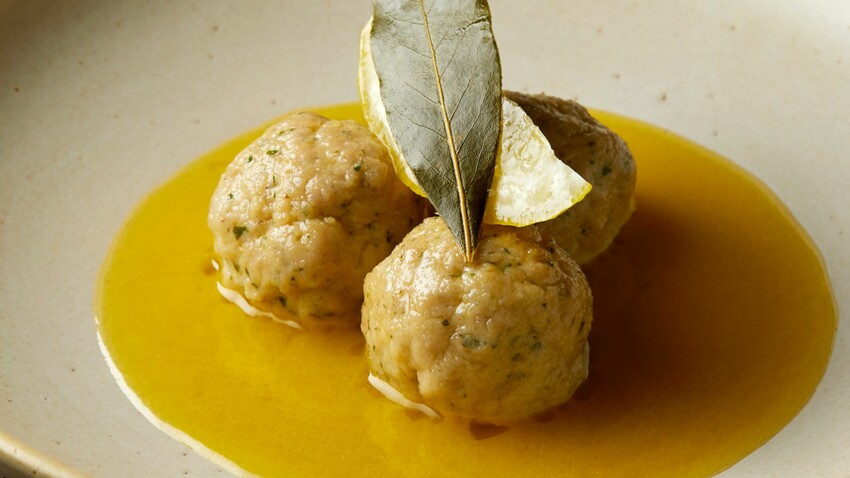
102,101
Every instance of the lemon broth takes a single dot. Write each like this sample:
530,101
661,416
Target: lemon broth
713,324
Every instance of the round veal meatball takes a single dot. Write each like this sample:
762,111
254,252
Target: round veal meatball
493,341
601,158
304,212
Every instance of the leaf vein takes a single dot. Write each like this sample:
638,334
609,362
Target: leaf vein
464,213
425,126
422,94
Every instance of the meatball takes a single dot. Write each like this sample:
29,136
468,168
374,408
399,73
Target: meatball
493,341
304,212
601,158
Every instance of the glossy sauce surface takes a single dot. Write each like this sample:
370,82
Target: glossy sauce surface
713,324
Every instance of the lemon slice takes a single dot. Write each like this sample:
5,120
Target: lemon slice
530,183
375,113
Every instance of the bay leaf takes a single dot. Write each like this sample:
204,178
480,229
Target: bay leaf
441,85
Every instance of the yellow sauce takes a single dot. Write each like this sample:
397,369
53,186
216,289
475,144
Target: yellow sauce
713,324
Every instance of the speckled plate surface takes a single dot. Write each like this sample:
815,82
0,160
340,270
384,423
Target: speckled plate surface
101,101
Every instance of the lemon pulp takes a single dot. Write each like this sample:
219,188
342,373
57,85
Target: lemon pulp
713,325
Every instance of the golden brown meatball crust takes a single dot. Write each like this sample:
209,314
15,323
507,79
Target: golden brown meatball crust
496,340
303,213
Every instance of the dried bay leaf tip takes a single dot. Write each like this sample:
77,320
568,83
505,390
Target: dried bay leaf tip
495,341
440,83
530,183
601,157
303,213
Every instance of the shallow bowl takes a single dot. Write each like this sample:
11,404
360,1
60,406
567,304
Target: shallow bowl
102,101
